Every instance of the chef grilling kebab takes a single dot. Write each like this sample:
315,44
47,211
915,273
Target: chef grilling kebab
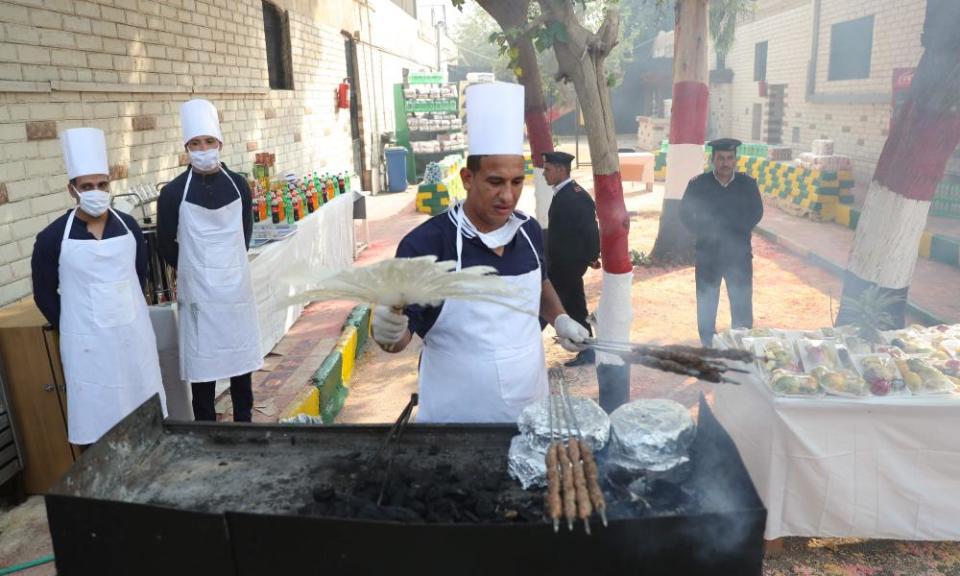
573,490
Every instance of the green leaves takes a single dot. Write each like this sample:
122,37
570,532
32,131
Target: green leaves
870,312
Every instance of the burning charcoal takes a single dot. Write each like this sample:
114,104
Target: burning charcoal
442,510
486,507
324,493
458,495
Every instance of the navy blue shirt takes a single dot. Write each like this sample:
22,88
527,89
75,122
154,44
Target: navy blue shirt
438,237
45,262
212,191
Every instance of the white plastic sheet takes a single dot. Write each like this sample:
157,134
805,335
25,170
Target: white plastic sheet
836,467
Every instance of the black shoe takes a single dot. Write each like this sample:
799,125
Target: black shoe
581,359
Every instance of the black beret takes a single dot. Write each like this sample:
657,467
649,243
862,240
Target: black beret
724,144
559,158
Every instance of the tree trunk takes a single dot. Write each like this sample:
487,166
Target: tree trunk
688,128
511,15
580,58
923,137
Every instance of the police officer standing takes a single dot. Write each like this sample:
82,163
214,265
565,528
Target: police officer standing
721,208
573,243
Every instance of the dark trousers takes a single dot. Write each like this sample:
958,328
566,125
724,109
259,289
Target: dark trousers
241,393
568,282
739,279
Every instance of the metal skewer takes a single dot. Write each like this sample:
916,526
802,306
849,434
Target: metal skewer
598,505
571,439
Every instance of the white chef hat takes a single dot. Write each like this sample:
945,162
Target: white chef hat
495,118
199,117
84,152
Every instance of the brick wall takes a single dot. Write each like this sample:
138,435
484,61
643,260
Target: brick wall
859,129
126,66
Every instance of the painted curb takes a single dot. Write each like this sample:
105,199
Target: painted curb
837,270
328,387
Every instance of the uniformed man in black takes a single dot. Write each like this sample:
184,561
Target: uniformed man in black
573,243
721,208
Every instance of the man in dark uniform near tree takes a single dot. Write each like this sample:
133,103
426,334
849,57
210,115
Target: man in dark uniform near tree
573,243
721,209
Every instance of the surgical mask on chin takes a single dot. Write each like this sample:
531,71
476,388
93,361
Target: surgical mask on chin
502,235
94,202
205,159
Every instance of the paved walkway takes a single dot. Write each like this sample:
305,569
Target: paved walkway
935,290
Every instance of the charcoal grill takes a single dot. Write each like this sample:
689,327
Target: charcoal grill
155,497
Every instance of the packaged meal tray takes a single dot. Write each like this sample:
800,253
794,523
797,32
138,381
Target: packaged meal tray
881,374
773,354
910,340
837,332
922,377
815,353
791,384
843,382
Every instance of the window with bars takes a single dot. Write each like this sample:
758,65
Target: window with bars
760,61
276,32
851,43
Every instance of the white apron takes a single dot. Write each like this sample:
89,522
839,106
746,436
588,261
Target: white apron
483,362
107,344
217,312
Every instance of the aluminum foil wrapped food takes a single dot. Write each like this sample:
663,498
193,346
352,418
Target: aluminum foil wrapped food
528,450
527,463
651,437
593,422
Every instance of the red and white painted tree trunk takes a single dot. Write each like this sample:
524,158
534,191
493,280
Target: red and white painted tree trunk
923,137
688,127
512,15
581,60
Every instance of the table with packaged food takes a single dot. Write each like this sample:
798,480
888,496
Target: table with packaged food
850,436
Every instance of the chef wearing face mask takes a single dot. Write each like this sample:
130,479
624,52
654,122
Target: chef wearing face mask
89,268
484,362
204,224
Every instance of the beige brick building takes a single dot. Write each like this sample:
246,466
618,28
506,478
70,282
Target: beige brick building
828,66
126,66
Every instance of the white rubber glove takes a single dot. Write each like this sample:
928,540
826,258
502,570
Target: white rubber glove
388,326
571,333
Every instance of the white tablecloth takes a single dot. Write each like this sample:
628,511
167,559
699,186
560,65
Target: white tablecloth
832,467
324,240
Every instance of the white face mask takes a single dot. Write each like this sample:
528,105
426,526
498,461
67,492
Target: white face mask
495,238
205,160
93,202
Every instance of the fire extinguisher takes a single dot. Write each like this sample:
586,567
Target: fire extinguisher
343,94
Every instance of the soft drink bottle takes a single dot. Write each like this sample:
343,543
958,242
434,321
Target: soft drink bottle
275,209
330,191
341,182
346,180
288,208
